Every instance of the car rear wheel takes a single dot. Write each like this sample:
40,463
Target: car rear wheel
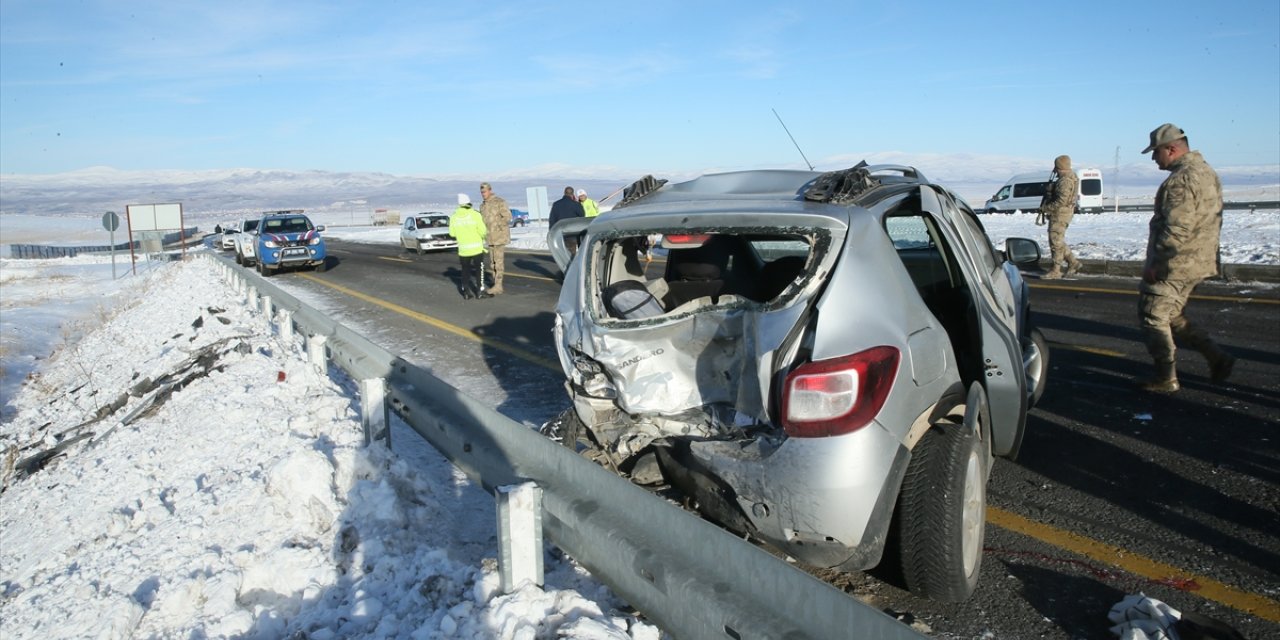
940,521
1035,358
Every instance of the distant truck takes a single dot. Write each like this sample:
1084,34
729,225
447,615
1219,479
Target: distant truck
1024,191
383,217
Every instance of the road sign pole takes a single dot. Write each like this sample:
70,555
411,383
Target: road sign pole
110,221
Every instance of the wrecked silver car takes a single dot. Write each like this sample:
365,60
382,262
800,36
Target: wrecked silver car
826,362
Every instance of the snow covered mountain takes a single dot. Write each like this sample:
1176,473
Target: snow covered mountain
230,192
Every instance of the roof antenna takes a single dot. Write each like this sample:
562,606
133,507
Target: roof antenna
793,139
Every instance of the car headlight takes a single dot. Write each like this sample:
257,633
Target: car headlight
595,382
270,244
314,241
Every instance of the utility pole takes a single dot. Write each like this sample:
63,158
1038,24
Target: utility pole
1115,181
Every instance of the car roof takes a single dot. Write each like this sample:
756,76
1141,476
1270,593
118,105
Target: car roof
778,191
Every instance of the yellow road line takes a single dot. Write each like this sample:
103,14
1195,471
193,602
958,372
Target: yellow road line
521,275
527,356
394,259
1134,292
1094,350
1208,588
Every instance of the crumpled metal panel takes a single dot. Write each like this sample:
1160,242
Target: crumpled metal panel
683,364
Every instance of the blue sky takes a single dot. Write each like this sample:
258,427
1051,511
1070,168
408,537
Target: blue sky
460,88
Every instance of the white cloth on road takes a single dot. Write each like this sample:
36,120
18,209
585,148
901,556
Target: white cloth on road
1138,617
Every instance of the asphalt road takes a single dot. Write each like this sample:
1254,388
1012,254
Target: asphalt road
1116,491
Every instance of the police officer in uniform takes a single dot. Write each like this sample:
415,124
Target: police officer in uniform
467,226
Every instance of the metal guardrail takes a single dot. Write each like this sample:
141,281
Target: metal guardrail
693,579
41,251
1228,206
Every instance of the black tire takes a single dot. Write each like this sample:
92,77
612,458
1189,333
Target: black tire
239,260
1035,357
264,270
322,266
940,520
565,428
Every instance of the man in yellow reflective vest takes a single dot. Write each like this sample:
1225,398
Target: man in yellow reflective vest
589,207
467,226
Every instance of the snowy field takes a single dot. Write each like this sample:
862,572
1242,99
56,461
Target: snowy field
228,494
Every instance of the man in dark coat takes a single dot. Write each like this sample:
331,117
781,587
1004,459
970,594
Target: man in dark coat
563,209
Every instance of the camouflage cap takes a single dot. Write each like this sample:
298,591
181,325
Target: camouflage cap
1164,134
1062,163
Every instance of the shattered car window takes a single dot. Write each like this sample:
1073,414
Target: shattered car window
700,269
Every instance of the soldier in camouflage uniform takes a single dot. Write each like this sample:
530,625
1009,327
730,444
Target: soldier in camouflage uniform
1182,250
1059,205
497,218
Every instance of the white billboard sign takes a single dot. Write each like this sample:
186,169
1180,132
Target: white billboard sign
154,217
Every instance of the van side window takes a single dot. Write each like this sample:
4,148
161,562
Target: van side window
1029,189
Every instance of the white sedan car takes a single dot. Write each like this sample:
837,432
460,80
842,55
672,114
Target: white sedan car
424,232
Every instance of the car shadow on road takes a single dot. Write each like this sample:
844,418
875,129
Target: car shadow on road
1117,448
1075,604
519,354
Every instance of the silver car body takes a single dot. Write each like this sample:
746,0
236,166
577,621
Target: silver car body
246,242
890,267
426,232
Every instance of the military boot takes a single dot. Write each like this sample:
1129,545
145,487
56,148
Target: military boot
1073,267
1220,364
1053,274
1165,379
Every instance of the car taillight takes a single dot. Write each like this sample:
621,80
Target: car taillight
838,396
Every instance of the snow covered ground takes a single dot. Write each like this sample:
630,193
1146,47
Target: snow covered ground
229,495
225,491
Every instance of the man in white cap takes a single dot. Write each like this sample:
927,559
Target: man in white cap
1182,250
467,226
589,207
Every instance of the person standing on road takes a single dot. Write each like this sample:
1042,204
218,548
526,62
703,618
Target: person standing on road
467,226
1182,250
589,207
563,209
497,219
1059,205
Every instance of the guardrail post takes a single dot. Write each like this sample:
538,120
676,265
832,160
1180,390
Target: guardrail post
315,351
251,298
267,311
374,412
520,535
286,326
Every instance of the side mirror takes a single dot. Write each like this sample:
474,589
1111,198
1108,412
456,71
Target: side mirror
1023,252
319,228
